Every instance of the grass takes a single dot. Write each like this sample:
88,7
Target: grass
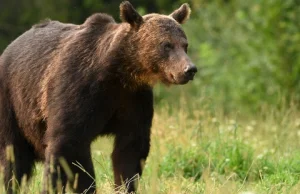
199,150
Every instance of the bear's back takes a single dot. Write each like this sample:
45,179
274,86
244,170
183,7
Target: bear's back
36,43
25,61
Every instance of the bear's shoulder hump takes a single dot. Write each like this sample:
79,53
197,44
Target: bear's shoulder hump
99,19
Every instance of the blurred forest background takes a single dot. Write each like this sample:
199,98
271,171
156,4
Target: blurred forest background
248,52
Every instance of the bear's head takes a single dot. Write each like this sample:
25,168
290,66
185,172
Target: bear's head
160,45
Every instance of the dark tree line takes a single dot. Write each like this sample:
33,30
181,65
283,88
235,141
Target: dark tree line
18,15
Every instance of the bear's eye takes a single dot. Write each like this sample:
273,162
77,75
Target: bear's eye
185,47
168,46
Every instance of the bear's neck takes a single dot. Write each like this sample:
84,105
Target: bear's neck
125,66
130,74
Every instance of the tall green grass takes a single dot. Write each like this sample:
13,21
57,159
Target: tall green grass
201,151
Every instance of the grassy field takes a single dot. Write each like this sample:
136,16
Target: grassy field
199,150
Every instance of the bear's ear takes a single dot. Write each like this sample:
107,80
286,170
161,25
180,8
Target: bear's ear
130,15
182,14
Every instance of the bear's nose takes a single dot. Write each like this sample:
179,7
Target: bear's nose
190,71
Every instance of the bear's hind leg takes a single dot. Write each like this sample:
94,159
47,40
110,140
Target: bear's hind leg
16,154
17,160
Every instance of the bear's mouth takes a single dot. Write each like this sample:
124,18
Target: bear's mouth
179,80
173,77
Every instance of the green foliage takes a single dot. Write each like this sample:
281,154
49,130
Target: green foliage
248,51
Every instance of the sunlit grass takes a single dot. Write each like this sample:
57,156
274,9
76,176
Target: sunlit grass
196,150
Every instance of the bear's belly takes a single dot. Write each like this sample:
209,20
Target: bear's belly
35,136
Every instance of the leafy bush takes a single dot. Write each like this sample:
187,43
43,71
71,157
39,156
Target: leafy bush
247,52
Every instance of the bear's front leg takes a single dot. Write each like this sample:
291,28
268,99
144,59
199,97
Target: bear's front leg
132,129
129,154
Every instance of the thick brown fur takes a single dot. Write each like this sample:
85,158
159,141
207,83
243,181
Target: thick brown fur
63,85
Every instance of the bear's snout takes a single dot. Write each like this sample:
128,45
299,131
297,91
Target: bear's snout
190,71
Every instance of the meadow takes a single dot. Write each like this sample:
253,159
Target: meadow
199,150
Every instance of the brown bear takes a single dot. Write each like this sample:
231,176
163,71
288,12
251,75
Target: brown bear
63,85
